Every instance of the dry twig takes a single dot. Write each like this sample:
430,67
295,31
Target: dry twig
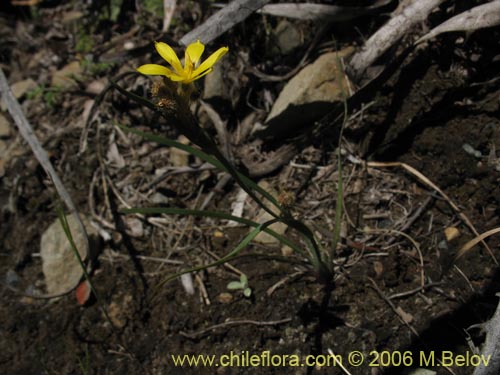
223,20
195,335
41,155
389,34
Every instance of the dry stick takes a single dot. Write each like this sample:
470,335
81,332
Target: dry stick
485,15
428,182
414,291
223,20
389,34
469,245
41,155
339,363
194,335
320,12
283,281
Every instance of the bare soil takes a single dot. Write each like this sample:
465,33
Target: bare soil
430,107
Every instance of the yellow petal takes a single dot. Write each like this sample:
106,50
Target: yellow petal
178,78
194,52
194,78
208,63
169,56
155,70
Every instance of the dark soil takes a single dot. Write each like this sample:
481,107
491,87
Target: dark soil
425,114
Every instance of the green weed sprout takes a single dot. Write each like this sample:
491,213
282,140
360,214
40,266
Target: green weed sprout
172,98
241,285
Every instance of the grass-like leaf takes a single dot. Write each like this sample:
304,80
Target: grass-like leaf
244,243
214,214
205,157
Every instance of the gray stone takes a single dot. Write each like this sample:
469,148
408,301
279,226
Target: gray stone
5,130
263,216
19,89
65,77
288,37
215,87
3,148
310,94
60,267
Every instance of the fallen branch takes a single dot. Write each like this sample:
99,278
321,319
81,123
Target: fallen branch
195,335
320,12
389,34
41,155
223,20
482,16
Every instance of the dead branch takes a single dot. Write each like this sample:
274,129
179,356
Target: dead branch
389,34
41,155
194,335
482,16
320,12
223,20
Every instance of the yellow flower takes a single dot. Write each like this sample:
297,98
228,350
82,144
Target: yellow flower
191,70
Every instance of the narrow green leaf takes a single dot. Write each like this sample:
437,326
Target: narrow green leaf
251,185
139,99
215,214
244,243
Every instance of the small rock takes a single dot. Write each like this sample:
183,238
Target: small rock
129,45
451,233
288,37
134,227
179,158
59,264
225,298
215,88
72,15
5,130
65,77
3,147
159,198
263,216
310,94
286,251
95,87
19,89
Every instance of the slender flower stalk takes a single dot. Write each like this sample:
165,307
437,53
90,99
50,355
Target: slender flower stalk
192,69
